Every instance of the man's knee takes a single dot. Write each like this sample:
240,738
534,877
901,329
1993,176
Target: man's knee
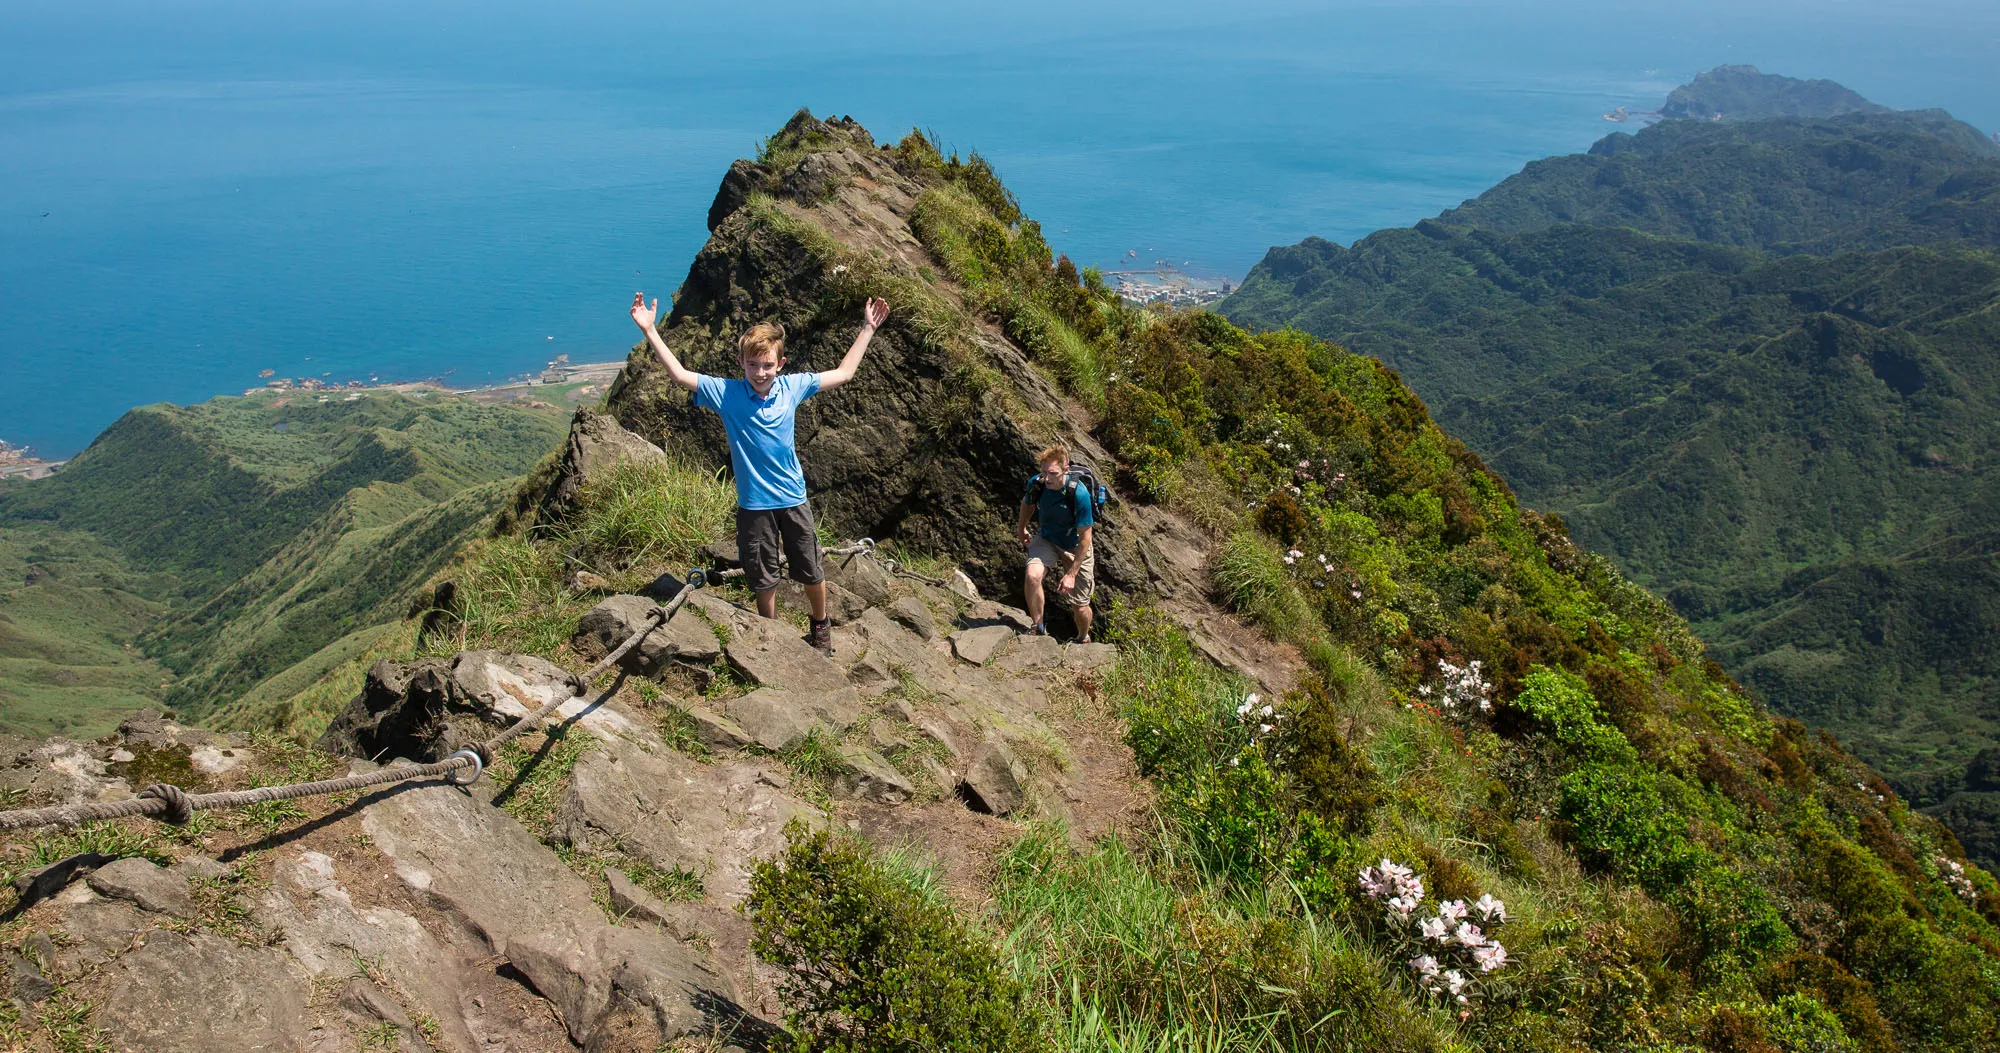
1035,573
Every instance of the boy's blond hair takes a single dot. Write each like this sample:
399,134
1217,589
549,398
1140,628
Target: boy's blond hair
1058,453
762,337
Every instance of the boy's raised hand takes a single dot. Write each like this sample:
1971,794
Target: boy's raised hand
876,312
646,317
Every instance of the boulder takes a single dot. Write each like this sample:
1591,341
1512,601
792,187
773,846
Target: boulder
977,645
911,613
716,731
1030,654
203,994
684,637
140,882
1089,656
961,586
985,612
841,605
772,654
864,576
775,720
871,675
596,445
994,781
42,882
897,647
864,774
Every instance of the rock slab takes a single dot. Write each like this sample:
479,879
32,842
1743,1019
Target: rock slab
138,881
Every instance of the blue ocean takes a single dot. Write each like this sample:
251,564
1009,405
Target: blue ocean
194,192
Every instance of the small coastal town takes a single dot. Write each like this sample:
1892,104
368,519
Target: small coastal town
1165,285
20,462
571,380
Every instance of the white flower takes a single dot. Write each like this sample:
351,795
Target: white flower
1266,711
1264,729
1455,980
1356,593
1490,957
1305,464
1425,966
1252,698
1490,909
1452,910
1467,935
1243,710
1404,905
1432,929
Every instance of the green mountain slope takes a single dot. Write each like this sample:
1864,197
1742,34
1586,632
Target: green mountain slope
216,545
1861,181
1739,93
1797,450
1480,700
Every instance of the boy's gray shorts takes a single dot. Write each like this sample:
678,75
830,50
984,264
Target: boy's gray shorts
763,533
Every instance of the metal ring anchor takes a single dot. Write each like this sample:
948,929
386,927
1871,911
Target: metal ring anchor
478,767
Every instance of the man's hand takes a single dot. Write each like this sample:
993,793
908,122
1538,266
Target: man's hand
647,317
875,313
1027,535
1068,582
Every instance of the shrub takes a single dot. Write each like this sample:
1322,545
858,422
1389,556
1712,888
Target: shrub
1560,703
872,965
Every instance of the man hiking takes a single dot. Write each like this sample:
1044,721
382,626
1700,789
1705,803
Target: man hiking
1059,553
758,412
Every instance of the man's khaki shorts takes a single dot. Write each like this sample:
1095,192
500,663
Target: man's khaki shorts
1053,560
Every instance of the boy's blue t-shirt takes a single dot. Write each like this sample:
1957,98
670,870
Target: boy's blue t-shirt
760,436
1063,512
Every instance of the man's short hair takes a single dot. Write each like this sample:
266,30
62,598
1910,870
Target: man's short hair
762,337
1057,453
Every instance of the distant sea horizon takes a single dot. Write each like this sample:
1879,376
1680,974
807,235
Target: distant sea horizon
356,190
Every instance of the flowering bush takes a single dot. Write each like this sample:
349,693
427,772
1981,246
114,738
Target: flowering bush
1452,945
1459,688
1952,873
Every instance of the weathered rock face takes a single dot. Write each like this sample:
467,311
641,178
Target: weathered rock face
425,709
898,452
607,625
596,445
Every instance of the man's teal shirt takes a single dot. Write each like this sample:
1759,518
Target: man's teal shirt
760,436
1062,514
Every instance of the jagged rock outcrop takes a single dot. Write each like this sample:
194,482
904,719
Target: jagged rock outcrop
596,445
898,453
912,450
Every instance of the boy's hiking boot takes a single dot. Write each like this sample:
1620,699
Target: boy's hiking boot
821,636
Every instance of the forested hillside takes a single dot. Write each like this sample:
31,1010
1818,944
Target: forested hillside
1795,448
194,551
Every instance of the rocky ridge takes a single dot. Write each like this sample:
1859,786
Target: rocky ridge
584,894
436,915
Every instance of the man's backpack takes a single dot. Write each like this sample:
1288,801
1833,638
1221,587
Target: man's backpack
1082,477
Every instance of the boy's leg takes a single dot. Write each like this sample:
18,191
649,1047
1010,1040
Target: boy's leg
757,545
801,538
816,599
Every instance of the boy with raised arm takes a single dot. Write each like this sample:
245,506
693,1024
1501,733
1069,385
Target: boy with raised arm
758,412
